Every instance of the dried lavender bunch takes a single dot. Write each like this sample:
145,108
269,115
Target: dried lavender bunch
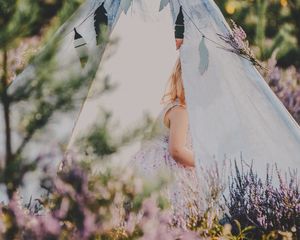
261,203
237,39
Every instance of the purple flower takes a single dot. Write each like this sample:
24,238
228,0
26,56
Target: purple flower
64,208
89,224
253,201
238,44
16,207
50,225
149,208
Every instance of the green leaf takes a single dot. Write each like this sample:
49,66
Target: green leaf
125,5
204,57
238,225
248,229
163,3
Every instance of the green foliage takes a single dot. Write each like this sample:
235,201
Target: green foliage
103,140
99,141
20,21
269,25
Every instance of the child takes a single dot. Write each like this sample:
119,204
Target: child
169,149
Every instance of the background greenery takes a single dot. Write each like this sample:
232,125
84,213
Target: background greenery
270,25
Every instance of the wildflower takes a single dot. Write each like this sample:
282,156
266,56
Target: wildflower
89,223
50,225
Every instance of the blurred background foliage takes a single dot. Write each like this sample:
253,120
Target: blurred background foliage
24,27
270,25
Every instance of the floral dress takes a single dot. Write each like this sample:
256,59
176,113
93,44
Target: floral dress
154,158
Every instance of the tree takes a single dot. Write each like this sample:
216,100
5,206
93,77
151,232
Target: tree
21,21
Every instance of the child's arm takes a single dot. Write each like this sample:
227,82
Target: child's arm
178,118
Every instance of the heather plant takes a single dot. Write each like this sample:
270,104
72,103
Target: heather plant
210,222
272,208
112,204
286,85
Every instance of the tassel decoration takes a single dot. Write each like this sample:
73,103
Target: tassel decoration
179,25
204,56
100,22
81,48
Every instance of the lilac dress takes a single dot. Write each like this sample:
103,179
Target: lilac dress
154,158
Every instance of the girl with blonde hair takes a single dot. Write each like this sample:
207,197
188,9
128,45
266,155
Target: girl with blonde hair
169,150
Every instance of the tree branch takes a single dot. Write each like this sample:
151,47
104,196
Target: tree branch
6,108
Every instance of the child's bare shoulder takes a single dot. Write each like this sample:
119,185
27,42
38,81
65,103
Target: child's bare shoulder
178,110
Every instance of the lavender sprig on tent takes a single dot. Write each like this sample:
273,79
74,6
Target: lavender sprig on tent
237,39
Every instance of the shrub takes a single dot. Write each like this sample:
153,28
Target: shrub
266,206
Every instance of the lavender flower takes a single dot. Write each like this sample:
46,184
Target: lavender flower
236,39
285,84
50,225
254,202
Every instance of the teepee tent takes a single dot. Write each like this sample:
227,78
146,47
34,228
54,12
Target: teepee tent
232,111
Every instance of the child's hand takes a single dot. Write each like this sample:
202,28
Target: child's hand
179,42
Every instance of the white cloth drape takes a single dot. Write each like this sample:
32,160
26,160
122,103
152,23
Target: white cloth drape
232,110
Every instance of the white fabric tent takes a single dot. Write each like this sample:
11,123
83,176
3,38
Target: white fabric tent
232,110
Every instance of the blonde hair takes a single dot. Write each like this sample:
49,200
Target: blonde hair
175,88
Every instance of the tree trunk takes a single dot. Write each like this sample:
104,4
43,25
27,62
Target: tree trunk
6,112
6,108
261,7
